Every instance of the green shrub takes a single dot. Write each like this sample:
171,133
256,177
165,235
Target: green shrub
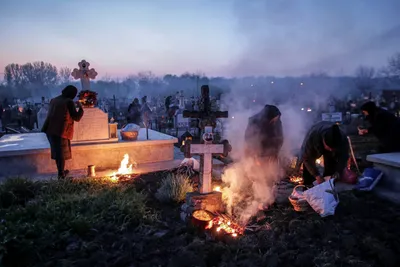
174,188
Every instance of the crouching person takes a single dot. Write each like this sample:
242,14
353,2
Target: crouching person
59,126
328,140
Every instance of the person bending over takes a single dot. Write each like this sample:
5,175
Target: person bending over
328,140
264,135
384,125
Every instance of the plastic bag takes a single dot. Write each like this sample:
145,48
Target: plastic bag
191,162
323,198
369,180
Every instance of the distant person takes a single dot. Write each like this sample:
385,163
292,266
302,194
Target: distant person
1,117
29,113
264,135
134,112
384,125
59,126
328,140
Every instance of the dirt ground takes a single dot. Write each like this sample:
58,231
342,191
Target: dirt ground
363,232
91,223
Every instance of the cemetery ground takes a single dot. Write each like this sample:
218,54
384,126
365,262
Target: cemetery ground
93,222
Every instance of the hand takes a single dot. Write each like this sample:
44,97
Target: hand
362,131
319,179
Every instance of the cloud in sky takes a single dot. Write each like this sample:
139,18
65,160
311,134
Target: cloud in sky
232,37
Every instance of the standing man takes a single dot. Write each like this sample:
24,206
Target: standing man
59,126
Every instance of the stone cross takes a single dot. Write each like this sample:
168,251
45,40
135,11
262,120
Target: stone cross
85,74
206,151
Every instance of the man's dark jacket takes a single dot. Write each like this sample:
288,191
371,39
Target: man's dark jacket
313,148
386,127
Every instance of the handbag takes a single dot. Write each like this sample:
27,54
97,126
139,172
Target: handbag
348,176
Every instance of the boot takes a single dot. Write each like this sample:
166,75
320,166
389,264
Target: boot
63,175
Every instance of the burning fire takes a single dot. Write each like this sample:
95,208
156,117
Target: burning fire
124,169
217,189
226,226
296,179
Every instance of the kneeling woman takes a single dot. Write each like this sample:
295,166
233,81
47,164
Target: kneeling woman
328,140
59,126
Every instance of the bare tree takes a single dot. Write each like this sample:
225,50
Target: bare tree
13,75
364,78
40,74
393,68
64,75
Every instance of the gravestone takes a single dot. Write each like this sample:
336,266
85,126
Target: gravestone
181,122
42,115
206,150
92,127
389,186
332,116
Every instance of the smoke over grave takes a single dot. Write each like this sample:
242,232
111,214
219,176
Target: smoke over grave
261,176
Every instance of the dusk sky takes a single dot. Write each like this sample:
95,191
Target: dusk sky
220,37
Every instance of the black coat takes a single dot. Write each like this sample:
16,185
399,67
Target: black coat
262,137
386,127
313,148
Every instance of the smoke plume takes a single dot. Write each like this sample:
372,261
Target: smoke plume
251,183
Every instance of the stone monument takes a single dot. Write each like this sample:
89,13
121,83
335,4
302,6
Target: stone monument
205,198
94,126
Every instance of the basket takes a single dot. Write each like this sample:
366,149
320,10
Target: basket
129,136
297,203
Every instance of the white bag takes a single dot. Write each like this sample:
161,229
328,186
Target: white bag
323,198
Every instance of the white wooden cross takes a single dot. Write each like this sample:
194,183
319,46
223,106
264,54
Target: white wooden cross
85,74
206,151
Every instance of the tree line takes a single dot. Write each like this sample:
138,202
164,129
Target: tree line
37,79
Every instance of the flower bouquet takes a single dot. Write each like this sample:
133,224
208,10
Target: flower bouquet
88,98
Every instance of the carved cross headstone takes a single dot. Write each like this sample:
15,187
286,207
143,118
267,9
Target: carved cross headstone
207,119
206,151
85,74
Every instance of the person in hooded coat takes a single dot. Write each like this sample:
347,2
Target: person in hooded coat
328,140
384,125
264,135
59,126
134,112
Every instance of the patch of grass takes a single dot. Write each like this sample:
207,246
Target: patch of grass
40,219
17,191
174,188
